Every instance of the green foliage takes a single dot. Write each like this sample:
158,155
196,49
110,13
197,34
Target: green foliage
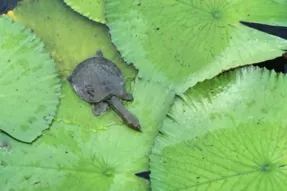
228,133
182,42
30,88
222,134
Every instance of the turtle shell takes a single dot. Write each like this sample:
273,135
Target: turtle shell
97,79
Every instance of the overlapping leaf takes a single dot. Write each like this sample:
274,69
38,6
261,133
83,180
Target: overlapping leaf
228,133
93,9
182,42
30,88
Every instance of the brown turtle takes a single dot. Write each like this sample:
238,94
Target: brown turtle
100,82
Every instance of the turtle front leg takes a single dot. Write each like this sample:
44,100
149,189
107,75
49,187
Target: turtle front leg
100,108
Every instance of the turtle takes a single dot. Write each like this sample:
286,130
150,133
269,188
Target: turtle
100,82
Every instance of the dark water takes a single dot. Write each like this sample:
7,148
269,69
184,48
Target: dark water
277,64
279,31
6,5
144,175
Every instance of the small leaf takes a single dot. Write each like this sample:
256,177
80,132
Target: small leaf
92,9
30,88
228,133
182,42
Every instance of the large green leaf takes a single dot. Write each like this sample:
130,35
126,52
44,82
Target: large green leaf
67,158
70,37
93,9
228,133
182,42
30,88
72,157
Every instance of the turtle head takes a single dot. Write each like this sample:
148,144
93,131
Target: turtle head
69,78
99,53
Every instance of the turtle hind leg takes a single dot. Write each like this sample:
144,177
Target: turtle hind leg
99,53
100,108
